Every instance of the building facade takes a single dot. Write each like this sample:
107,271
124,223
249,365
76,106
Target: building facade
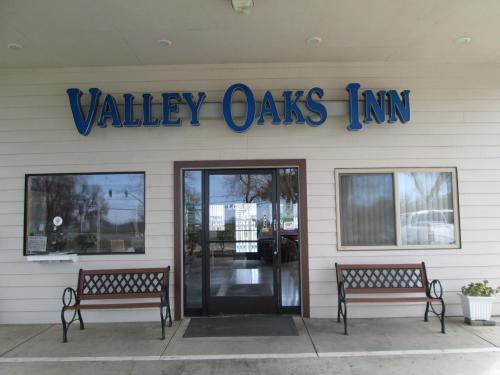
453,136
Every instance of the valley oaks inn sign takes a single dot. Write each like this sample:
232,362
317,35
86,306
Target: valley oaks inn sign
376,107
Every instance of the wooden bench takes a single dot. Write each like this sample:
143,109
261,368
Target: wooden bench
390,279
115,284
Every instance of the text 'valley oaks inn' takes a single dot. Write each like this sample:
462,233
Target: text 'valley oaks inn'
398,108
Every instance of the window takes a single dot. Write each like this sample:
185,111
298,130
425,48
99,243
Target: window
193,245
84,213
397,209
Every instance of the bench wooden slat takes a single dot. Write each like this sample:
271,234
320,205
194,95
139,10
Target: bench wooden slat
99,306
388,299
380,265
123,270
384,290
119,296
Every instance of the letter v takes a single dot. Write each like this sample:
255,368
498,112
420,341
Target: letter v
83,125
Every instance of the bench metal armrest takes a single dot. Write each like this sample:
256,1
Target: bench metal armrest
341,291
435,289
70,298
164,295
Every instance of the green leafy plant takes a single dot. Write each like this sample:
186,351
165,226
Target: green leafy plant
479,290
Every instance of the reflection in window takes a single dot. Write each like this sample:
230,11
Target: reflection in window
192,239
241,250
85,213
240,209
288,185
421,210
426,201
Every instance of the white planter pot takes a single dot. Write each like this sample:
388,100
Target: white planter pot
477,308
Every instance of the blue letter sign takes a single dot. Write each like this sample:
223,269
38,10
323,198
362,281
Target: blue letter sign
268,107
354,124
129,121
226,107
109,111
299,107
315,107
399,107
83,125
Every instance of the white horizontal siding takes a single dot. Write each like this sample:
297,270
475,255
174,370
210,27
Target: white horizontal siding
455,123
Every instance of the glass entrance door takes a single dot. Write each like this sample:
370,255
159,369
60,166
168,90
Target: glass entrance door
241,242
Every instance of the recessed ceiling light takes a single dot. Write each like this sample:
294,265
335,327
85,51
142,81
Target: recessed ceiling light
165,42
313,41
242,6
14,46
463,40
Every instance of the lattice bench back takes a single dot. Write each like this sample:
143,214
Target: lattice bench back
122,283
382,278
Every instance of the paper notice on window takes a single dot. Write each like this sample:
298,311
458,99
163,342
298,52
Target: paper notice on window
37,244
216,221
246,227
289,212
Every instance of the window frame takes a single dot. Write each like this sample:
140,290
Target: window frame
72,251
397,210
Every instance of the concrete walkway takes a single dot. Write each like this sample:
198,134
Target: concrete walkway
374,346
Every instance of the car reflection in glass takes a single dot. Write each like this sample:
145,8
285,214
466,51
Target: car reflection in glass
428,227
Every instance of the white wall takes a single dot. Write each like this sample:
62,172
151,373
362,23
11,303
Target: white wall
455,123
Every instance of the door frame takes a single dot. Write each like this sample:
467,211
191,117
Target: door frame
180,166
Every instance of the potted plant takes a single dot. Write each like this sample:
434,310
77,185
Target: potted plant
477,301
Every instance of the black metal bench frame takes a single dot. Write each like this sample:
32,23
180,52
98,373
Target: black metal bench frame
388,278
114,284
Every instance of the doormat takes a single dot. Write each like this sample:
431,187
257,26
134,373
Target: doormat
244,325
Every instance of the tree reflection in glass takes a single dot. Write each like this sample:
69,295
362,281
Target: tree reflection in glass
85,213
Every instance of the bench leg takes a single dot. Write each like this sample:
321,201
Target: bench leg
164,316
169,314
342,307
345,320
165,303
439,313
441,318
426,316
82,326
162,324
70,300
342,313
65,326
338,312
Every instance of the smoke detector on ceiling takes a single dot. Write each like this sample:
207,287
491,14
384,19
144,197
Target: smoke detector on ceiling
463,40
14,46
314,41
165,42
242,6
